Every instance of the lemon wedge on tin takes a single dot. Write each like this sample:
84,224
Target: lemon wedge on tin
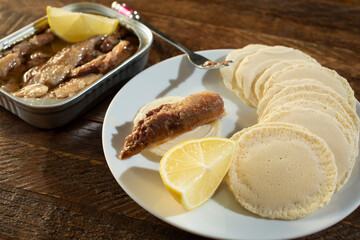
76,26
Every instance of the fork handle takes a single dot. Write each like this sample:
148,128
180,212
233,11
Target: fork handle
126,11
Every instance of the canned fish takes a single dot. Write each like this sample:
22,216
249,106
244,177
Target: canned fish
56,110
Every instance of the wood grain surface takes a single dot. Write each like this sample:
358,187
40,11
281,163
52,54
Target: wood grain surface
55,184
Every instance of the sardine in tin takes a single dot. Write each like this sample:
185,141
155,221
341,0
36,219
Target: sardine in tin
52,113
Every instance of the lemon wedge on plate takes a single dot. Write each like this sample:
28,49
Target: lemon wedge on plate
193,170
76,26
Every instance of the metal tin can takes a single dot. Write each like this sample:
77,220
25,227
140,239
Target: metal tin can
52,113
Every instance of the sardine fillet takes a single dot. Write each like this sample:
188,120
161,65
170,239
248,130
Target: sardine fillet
170,120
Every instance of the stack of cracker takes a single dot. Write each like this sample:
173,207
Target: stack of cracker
306,142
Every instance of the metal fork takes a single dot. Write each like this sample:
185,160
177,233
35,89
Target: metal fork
196,59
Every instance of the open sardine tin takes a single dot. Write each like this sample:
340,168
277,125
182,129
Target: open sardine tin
52,113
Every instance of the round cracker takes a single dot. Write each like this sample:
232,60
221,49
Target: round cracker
337,113
334,100
274,89
328,129
282,172
281,90
325,75
253,65
236,136
259,84
348,129
295,82
237,56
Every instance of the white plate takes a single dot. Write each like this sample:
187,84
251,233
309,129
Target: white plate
221,217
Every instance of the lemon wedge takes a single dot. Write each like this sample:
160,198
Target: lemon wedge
192,170
76,26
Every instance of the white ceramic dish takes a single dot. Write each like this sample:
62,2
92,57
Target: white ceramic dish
221,217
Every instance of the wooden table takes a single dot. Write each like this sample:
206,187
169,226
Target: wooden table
55,184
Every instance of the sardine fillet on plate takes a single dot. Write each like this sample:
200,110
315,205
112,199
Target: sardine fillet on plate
170,120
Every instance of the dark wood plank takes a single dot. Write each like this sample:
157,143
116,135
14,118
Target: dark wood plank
36,216
313,21
80,137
